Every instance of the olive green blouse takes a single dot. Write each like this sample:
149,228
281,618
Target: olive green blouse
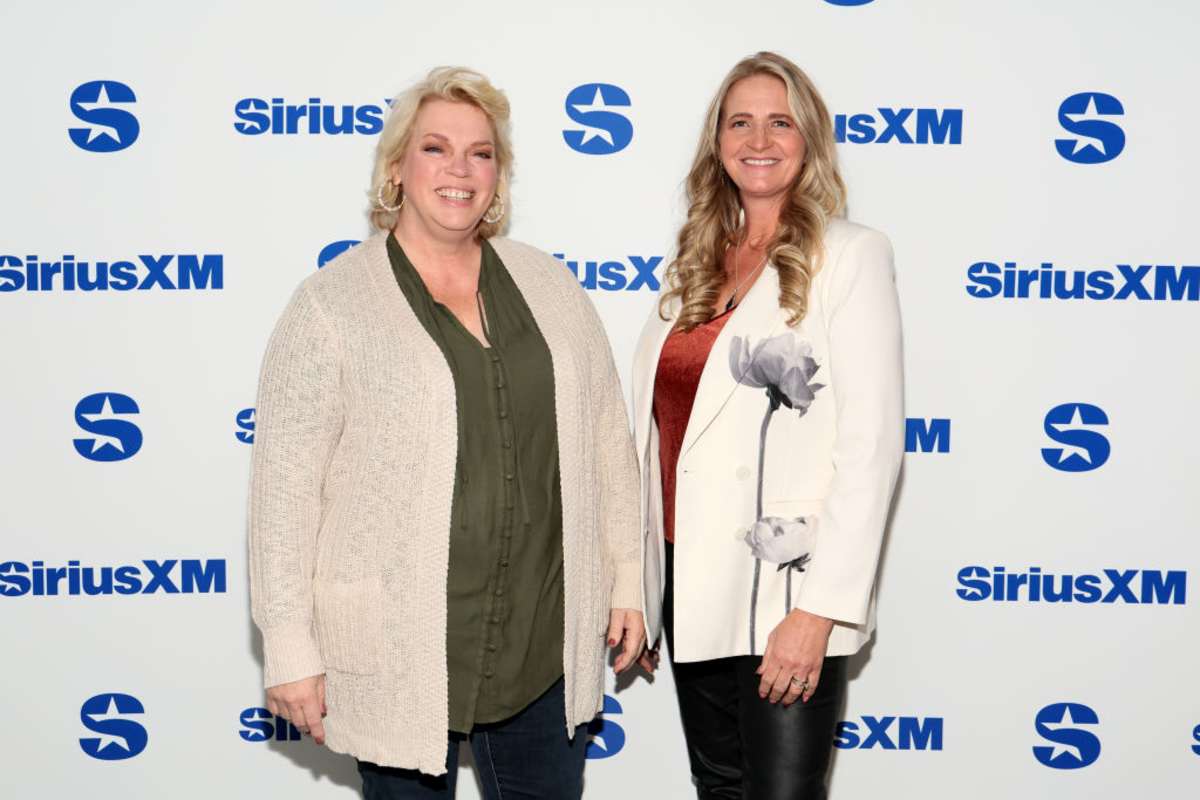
504,626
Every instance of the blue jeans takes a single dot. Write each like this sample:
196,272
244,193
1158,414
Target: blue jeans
525,756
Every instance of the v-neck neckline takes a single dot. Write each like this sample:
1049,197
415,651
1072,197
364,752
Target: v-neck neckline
482,282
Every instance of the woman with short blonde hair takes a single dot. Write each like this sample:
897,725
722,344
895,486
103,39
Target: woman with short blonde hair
768,422
456,85
440,533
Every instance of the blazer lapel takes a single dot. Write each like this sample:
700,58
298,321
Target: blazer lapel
758,316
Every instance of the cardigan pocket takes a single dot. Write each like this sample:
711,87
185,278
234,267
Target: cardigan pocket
349,625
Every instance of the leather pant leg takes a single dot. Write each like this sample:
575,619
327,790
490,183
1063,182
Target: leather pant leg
741,746
708,708
787,750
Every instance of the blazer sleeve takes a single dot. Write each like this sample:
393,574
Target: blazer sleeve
298,421
865,365
619,478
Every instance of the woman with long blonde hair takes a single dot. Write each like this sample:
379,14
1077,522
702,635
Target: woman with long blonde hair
768,420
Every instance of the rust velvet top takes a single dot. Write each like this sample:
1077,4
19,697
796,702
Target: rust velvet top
679,368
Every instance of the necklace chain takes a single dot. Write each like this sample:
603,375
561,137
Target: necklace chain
733,296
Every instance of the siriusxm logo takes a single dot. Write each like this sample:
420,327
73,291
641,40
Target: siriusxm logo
615,276
170,272
987,279
1073,747
1132,586
245,423
113,438
257,116
334,249
119,737
195,576
260,725
109,128
1096,139
1196,739
926,435
604,131
605,737
1076,426
912,733
928,126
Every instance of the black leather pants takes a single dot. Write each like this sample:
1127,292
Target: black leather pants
741,746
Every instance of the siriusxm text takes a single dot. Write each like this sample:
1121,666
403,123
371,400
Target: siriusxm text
1133,586
614,276
911,733
173,576
276,116
926,435
986,279
145,272
902,126
260,725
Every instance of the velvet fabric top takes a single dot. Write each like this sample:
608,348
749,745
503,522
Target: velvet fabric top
675,383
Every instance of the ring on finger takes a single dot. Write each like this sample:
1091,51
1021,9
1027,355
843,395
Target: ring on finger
800,684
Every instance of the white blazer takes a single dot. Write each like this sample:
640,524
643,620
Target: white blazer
828,470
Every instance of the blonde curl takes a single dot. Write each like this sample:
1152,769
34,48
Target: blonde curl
697,273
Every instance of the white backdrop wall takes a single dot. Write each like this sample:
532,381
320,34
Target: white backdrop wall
1051,436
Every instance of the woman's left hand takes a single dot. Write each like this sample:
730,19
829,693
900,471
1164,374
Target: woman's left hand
796,648
625,625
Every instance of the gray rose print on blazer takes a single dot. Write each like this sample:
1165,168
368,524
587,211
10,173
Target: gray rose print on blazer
784,366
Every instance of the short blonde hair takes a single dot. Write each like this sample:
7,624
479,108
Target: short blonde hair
458,85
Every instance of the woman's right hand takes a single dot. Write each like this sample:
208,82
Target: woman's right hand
302,703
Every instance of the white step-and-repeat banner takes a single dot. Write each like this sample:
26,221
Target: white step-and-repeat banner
171,171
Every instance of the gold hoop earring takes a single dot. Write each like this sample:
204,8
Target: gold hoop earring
385,206
496,208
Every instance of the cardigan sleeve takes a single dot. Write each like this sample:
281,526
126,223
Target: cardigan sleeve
298,421
619,479
867,383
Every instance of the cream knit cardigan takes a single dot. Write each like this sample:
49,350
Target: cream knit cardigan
350,493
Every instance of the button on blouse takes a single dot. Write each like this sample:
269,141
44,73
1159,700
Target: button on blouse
504,633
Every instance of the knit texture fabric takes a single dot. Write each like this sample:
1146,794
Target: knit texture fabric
351,485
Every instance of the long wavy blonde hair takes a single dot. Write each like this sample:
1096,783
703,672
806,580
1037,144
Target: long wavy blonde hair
697,273
458,85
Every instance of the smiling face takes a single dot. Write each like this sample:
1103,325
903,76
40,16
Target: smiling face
760,144
448,170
